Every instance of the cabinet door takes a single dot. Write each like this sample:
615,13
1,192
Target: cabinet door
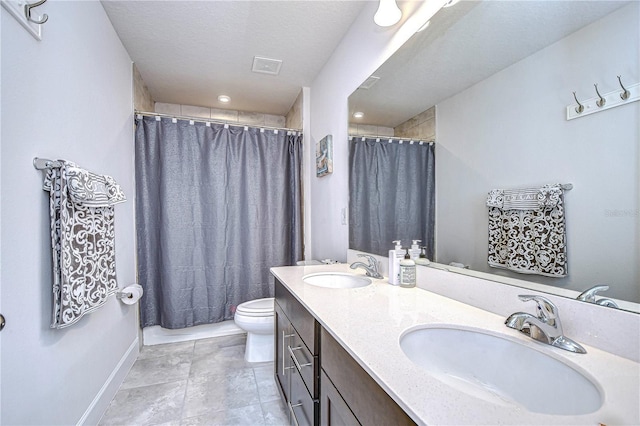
283,363
333,410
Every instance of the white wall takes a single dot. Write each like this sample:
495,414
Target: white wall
363,49
68,96
510,131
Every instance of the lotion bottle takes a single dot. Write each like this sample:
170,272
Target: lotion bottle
407,271
394,263
415,250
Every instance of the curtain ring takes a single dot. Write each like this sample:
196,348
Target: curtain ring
600,102
580,107
624,95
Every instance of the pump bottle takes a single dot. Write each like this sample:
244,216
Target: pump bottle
407,271
395,256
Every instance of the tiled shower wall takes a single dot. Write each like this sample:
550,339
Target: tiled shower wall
142,100
231,116
422,126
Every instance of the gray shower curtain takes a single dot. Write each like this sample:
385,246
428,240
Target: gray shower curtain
216,207
391,194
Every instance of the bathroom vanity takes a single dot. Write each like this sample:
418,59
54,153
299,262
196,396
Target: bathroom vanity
334,391
341,359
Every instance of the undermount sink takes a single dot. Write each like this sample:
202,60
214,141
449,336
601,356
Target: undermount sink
336,280
500,370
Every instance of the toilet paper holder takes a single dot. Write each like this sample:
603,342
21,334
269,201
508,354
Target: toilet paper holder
124,295
130,295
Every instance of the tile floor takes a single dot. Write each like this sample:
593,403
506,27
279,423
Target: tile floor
202,382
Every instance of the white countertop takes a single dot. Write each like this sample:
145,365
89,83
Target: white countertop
369,321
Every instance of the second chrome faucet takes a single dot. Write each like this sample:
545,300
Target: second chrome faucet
545,326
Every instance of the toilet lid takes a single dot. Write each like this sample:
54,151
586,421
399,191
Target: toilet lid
257,306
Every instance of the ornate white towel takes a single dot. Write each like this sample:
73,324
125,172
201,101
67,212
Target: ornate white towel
527,232
82,239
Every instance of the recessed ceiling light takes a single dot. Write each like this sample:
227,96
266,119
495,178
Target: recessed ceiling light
358,114
224,99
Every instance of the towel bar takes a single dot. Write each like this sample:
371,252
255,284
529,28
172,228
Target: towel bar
44,163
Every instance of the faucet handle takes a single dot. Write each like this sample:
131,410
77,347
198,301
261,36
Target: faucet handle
547,311
372,260
590,294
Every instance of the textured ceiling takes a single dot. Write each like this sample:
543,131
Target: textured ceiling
464,45
189,52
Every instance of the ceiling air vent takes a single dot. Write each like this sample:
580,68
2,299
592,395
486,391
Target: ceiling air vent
266,65
368,83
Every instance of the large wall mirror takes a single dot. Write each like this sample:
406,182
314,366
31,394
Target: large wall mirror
501,75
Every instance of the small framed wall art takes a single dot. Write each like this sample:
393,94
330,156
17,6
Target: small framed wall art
324,156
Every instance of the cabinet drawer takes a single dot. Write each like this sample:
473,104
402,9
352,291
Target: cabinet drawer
304,362
302,408
304,323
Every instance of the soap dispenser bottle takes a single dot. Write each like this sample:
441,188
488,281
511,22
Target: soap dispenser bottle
395,256
407,271
415,250
422,260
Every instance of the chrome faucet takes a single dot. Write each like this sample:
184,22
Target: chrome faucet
371,268
590,296
544,327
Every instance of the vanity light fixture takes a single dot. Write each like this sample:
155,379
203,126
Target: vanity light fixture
358,114
224,99
388,13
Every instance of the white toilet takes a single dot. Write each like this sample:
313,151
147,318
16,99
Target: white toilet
256,318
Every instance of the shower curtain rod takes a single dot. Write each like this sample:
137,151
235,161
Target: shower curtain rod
204,120
395,138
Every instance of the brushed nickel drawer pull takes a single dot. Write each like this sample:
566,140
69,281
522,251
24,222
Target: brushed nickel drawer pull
295,360
293,414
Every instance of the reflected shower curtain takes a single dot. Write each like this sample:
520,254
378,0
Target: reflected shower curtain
391,194
216,208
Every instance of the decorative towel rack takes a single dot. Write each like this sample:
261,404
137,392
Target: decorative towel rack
27,17
44,163
623,95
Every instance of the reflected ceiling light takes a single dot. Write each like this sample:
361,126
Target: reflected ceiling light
450,3
387,14
224,99
358,114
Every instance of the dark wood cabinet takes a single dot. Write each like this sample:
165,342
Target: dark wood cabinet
368,402
319,381
333,410
296,360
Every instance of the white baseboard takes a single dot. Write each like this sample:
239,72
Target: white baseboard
101,402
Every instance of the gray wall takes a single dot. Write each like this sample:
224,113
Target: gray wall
68,96
510,131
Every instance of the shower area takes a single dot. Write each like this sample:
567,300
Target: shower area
217,205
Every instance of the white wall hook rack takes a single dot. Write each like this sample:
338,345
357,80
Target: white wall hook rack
612,99
23,12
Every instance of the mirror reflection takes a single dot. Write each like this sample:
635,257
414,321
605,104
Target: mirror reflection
491,83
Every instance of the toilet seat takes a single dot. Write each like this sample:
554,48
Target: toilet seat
256,308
